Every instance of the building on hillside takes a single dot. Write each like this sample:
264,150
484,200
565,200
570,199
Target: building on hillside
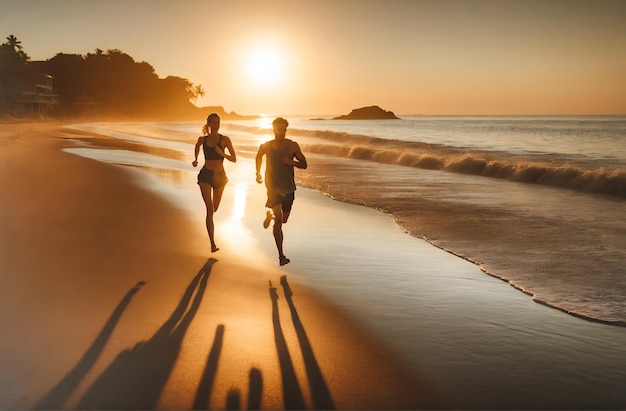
25,92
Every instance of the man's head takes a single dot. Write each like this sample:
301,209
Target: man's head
280,127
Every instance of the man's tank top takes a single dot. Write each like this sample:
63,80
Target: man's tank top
278,175
209,151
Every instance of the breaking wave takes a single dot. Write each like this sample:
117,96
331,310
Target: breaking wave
550,170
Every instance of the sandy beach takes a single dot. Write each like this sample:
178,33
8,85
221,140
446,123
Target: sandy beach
111,300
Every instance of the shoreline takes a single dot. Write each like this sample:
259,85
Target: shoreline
614,323
78,235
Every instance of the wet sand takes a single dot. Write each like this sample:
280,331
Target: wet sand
112,300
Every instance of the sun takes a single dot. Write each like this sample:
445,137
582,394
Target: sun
265,67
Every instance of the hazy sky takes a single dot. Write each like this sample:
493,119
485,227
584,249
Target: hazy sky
328,57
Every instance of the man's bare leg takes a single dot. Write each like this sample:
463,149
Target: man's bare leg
279,218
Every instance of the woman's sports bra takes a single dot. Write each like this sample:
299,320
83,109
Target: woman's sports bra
209,151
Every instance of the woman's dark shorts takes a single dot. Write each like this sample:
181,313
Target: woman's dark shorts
216,178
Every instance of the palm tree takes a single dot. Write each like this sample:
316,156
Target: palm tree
14,43
196,92
14,47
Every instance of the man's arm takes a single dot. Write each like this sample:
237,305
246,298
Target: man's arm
297,153
259,162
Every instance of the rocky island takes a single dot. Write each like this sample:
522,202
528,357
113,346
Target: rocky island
368,113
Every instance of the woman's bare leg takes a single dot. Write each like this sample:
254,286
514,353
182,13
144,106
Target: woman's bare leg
217,197
206,189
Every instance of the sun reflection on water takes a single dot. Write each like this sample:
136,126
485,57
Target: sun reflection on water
239,201
237,232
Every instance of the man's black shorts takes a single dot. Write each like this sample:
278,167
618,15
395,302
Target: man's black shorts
284,199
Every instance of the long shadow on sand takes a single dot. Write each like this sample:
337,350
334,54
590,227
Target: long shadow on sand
233,397
292,394
135,379
57,397
320,393
210,369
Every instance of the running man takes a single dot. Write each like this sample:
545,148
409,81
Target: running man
282,156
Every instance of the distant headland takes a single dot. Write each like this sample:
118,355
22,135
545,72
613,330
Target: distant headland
205,111
368,113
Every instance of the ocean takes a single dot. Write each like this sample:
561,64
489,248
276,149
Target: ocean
537,202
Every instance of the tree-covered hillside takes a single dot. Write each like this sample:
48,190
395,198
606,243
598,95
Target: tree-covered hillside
108,83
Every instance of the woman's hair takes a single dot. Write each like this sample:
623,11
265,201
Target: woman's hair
205,128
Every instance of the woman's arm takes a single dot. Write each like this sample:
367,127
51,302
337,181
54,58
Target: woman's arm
197,151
